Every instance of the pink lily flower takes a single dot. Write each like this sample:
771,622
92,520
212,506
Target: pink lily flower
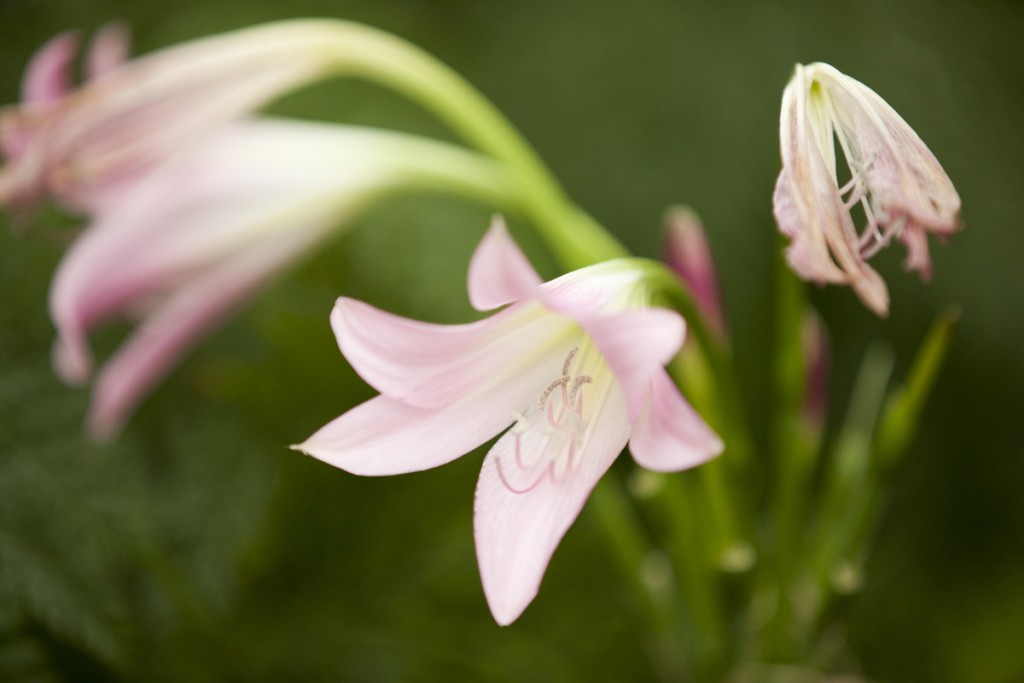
902,189
84,146
572,369
200,234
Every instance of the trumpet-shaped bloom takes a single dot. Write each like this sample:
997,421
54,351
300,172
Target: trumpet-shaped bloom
83,146
191,241
570,371
902,189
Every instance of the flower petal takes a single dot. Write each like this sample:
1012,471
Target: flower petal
915,239
172,329
429,365
48,76
636,344
384,436
669,435
517,531
212,201
809,207
499,272
595,290
387,435
902,172
109,49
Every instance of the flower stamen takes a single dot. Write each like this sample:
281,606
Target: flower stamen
558,424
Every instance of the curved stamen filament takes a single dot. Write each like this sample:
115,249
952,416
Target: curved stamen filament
560,382
577,383
554,428
568,361
508,484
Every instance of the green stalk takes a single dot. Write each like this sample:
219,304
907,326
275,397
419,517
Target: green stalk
684,504
378,56
668,637
849,479
899,422
793,465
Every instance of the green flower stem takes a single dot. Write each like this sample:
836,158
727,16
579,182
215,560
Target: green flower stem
899,422
683,501
793,459
792,455
848,481
378,56
903,408
668,637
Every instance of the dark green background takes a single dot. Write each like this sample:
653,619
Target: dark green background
199,548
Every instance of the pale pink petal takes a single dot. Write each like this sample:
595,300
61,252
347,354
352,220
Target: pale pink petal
206,204
499,272
809,209
389,436
902,172
178,324
48,76
800,220
915,239
135,116
595,290
110,48
518,530
384,436
802,181
71,356
669,435
894,178
116,261
430,365
871,289
636,344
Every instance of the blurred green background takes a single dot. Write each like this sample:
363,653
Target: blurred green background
198,547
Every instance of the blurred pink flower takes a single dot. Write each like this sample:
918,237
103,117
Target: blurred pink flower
83,146
687,253
574,365
897,181
198,235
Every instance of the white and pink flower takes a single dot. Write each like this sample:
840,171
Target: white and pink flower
571,371
194,239
84,145
902,189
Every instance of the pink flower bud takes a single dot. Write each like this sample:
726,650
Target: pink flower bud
686,251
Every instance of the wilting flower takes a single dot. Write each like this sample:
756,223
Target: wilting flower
687,253
902,189
83,146
200,233
573,369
